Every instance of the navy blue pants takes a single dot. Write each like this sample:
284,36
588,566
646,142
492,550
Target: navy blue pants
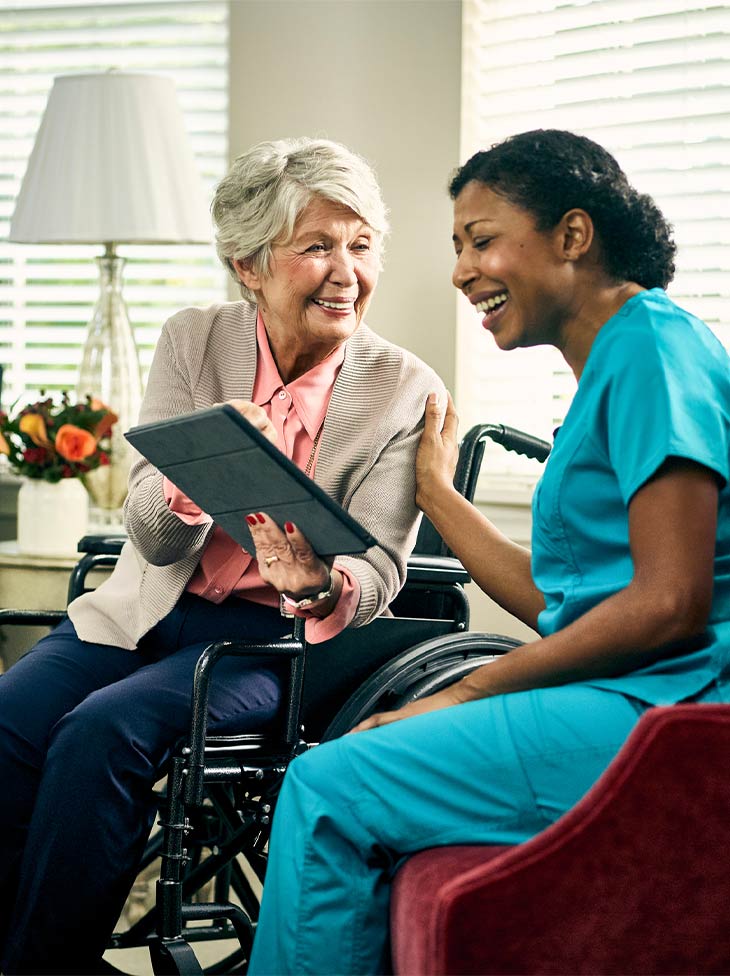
85,731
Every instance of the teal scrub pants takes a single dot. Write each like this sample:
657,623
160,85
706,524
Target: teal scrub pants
496,771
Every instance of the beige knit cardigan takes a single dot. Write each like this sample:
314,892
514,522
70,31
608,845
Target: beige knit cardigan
366,462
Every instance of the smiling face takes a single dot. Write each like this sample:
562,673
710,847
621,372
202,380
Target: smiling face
319,283
517,278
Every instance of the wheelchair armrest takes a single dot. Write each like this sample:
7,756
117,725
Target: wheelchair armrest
108,545
32,618
437,570
287,648
99,551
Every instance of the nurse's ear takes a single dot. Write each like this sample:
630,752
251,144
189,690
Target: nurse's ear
575,234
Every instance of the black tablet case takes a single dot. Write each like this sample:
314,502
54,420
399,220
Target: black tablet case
228,468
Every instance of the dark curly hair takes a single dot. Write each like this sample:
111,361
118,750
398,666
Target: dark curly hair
549,171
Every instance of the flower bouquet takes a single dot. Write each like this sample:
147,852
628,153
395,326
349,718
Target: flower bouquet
55,446
51,441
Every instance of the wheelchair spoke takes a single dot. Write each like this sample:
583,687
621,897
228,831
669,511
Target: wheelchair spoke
241,887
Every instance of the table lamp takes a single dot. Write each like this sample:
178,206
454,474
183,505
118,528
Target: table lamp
111,164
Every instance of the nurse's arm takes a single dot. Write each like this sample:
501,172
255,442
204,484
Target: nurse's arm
672,530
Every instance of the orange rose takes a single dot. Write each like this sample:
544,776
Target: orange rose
73,443
4,446
34,426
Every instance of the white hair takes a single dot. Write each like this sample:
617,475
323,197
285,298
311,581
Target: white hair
267,188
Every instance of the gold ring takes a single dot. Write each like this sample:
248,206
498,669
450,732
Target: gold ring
271,559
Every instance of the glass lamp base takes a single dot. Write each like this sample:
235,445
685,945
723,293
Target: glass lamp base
110,372
105,521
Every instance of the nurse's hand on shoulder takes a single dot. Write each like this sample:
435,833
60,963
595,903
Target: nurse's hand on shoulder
432,703
438,450
255,415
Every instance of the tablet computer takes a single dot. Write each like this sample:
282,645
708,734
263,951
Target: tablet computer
227,467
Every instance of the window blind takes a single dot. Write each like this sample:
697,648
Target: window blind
47,292
650,81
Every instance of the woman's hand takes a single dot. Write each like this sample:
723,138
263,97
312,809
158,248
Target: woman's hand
438,450
288,562
255,415
432,703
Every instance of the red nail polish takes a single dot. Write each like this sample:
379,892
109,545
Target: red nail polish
251,519
260,517
288,527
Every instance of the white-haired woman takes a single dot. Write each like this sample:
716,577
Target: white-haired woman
89,716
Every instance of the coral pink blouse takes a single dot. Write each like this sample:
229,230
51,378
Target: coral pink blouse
297,411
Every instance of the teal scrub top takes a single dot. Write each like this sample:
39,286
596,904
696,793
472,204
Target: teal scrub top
656,385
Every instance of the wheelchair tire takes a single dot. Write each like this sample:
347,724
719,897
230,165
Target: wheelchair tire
417,672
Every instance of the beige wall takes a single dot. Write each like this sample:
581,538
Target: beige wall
383,77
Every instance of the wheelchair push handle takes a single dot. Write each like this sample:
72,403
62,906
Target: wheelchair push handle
519,442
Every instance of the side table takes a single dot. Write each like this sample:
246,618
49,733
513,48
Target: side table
31,583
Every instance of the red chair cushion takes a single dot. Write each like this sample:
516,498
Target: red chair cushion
417,889
634,879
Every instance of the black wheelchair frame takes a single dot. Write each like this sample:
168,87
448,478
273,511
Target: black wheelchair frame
221,790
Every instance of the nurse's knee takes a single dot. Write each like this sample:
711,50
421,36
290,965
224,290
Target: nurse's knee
320,770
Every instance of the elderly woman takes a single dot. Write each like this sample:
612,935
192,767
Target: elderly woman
628,581
91,714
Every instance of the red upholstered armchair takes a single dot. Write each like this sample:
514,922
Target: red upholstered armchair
634,879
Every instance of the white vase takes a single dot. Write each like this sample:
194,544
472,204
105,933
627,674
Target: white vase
51,517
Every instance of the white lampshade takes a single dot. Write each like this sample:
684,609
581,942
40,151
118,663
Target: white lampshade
112,162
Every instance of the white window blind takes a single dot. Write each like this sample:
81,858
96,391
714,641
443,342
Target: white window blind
650,81
47,292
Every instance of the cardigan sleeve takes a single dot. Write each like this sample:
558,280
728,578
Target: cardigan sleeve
157,533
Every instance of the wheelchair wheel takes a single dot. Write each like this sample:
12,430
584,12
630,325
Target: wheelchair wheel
420,671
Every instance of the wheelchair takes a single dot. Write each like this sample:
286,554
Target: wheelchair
220,792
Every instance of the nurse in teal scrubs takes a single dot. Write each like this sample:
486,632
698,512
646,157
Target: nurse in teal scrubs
627,583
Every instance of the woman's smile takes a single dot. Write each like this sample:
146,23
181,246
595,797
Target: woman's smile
491,307
335,306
